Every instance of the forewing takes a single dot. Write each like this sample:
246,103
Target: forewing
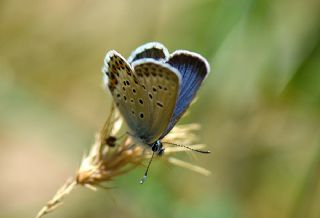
126,91
145,96
193,69
161,83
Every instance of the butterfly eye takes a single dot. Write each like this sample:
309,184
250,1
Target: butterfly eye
154,147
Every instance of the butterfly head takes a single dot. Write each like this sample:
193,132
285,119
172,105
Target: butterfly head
157,147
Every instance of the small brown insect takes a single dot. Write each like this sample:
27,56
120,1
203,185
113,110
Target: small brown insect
111,141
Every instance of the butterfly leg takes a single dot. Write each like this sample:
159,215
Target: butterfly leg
131,146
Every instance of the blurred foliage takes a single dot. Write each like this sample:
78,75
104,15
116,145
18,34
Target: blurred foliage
259,108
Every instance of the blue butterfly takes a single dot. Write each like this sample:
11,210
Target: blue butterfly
153,89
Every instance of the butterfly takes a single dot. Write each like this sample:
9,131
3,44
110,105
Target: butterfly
152,89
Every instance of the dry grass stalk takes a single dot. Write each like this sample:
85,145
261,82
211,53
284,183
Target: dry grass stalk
104,162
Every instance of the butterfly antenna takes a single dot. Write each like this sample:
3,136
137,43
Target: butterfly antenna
144,178
192,149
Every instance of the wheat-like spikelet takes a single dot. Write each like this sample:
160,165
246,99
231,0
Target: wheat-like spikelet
104,162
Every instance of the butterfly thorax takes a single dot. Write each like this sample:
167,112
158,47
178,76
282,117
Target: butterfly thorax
156,146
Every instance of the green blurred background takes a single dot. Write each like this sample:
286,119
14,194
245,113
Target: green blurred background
259,108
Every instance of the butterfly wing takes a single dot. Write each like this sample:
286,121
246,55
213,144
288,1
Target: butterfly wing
162,84
193,69
124,87
154,50
145,110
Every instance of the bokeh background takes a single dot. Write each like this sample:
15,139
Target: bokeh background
259,108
